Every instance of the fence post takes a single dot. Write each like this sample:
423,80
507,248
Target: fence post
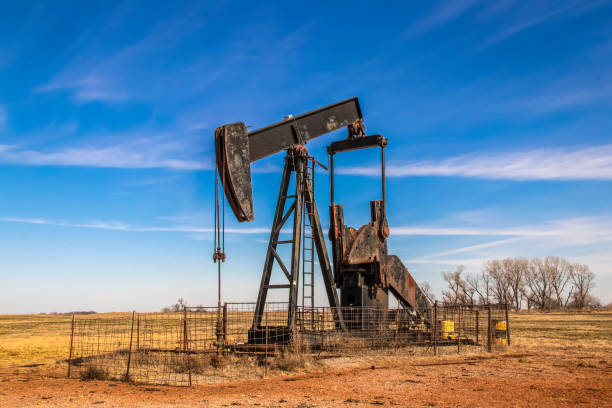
397,323
266,352
489,332
186,344
321,326
434,333
71,343
138,333
507,326
184,330
225,323
127,371
459,331
477,324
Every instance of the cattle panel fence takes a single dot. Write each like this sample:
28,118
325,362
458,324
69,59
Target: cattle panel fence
193,346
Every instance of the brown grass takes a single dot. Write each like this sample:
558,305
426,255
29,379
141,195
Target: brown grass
45,339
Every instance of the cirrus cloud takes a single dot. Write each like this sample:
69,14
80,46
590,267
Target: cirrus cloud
586,163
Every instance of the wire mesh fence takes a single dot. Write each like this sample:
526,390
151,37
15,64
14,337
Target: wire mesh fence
194,346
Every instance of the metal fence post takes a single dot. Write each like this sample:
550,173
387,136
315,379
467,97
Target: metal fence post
459,330
186,345
434,333
489,331
71,343
507,326
321,326
266,353
138,333
225,323
397,324
477,324
127,371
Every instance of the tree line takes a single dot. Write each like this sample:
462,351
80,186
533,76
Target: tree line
544,284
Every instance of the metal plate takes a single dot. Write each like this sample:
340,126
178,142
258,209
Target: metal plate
233,162
302,128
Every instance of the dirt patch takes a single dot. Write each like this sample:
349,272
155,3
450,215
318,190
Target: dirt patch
560,360
536,379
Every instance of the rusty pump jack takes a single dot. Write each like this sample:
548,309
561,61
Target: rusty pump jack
236,149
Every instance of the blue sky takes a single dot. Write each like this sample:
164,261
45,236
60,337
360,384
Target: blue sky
497,114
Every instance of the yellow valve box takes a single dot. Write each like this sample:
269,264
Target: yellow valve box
448,329
500,331
500,325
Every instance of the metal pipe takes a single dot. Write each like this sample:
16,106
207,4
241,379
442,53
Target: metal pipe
384,194
331,178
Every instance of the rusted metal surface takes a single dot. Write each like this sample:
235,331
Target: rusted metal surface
356,144
236,148
364,245
356,129
233,164
365,251
296,163
362,265
360,255
297,130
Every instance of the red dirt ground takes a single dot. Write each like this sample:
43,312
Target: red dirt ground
505,380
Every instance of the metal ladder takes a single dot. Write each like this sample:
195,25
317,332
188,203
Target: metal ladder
308,252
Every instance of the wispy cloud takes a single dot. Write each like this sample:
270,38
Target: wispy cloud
472,248
585,239
590,163
119,226
541,15
130,72
569,231
469,262
93,87
565,94
495,8
445,12
137,154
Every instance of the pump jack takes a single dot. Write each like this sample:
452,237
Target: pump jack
362,269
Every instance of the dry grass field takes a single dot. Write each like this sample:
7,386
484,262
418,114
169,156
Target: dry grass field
556,359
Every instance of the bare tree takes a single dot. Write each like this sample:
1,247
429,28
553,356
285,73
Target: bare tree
179,305
546,283
497,271
469,291
538,290
456,286
427,291
473,288
515,273
582,280
559,272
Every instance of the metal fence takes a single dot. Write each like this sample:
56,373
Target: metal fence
209,344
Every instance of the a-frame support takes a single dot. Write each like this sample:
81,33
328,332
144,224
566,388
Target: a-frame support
295,163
